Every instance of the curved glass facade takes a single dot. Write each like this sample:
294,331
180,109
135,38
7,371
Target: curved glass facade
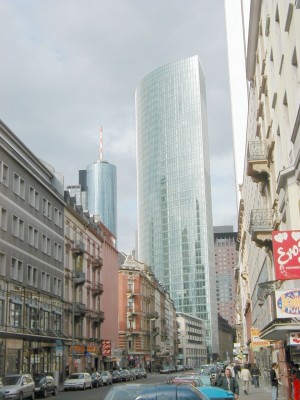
102,193
175,230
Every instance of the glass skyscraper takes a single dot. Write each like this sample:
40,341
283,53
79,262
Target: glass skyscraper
175,229
101,184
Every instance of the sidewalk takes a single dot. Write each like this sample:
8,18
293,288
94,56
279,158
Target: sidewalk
261,393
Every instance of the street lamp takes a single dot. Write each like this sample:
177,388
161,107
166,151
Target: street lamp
150,321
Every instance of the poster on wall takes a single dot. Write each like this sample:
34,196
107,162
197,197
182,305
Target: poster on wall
288,303
286,253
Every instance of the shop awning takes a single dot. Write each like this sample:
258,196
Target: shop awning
279,329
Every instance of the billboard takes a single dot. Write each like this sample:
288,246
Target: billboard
286,253
288,303
106,348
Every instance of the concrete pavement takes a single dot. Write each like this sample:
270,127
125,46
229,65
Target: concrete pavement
261,393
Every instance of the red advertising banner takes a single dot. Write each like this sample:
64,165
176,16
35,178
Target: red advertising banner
106,348
286,253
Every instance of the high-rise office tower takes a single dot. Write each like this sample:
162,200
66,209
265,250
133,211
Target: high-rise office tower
175,230
100,182
226,261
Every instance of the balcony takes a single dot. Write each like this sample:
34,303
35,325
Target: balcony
132,331
261,227
79,309
97,262
96,288
131,312
77,248
79,278
97,317
258,160
152,315
155,331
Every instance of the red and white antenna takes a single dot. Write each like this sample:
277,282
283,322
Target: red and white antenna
101,144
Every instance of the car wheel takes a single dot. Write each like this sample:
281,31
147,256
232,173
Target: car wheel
20,396
55,393
45,393
83,387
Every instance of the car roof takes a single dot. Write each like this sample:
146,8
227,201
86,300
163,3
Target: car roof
215,392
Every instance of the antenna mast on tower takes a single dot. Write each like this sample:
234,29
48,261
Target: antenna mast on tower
101,144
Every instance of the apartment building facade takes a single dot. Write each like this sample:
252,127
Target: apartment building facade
32,336
269,220
147,318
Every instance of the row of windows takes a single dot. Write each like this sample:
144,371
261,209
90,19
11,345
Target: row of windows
32,275
18,230
32,319
34,196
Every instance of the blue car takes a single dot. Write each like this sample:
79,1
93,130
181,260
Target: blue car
215,393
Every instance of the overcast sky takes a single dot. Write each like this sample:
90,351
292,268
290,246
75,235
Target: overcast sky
68,67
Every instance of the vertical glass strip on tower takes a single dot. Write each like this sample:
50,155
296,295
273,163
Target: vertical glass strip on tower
102,193
175,230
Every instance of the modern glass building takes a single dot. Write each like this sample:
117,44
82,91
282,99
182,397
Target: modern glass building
175,230
101,183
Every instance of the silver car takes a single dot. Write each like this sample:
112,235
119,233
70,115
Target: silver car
80,380
18,386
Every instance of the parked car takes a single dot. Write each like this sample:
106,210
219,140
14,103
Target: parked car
164,370
205,378
215,393
80,380
143,373
107,378
132,374
45,385
17,386
190,379
116,377
139,391
96,379
2,394
125,375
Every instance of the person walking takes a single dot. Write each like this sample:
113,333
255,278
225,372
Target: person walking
274,381
255,372
246,378
237,370
228,382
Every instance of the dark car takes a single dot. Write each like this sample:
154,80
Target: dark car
140,391
97,380
125,375
45,385
143,373
116,376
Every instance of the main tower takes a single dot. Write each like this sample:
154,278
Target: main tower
175,229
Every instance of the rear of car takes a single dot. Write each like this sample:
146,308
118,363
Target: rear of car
81,380
45,385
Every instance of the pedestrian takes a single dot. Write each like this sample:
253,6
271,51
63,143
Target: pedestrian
228,382
255,372
246,378
237,370
274,381
296,383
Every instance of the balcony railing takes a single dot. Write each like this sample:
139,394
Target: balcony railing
261,226
258,163
97,288
79,278
79,309
97,317
78,248
97,262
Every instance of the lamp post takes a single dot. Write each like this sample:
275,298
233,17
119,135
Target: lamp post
150,321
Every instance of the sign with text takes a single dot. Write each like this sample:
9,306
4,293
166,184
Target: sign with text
256,341
286,253
294,338
287,303
106,348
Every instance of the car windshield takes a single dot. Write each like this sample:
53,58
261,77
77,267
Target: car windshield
11,380
76,376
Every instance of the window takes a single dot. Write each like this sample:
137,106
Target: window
34,198
58,217
16,271
56,322
31,317
33,237
57,251
3,173
2,263
45,319
3,218
18,227
15,313
47,208
2,311
46,245
19,186
56,286
32,276
45,281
